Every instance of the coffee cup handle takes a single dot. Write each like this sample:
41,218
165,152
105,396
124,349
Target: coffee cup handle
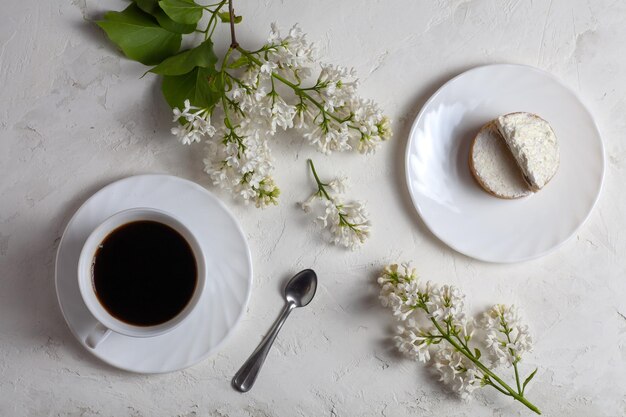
97,335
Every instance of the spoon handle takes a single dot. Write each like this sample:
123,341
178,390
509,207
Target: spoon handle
247,374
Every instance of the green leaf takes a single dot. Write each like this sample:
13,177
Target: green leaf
200,86
200,56
167,23
477,353
148,6
182,11
227,123
242,61
139,36
152,7
527,380
229,84
225,17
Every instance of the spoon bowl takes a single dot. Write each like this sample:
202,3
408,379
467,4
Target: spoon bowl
300,289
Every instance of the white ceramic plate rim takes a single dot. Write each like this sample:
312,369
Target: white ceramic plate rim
413,193
239,316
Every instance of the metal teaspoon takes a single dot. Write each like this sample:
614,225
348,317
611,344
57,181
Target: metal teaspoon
299,292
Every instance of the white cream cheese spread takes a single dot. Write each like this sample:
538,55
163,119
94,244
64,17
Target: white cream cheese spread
533,145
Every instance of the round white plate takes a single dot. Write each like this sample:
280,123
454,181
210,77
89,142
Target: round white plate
457,210
227,258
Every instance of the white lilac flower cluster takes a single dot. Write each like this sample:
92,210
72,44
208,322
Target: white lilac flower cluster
197,124
507,337
346,222
254,107
427,312
434,327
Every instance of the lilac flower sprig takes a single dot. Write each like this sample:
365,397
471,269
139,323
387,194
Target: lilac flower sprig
346,222
328,113
434,325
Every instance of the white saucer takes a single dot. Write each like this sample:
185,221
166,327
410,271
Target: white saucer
457,210
228,283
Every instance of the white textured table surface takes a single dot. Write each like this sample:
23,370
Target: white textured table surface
74,116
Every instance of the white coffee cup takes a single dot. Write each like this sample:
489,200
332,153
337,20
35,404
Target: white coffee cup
107,323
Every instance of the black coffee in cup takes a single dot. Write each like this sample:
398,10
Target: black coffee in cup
144,273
